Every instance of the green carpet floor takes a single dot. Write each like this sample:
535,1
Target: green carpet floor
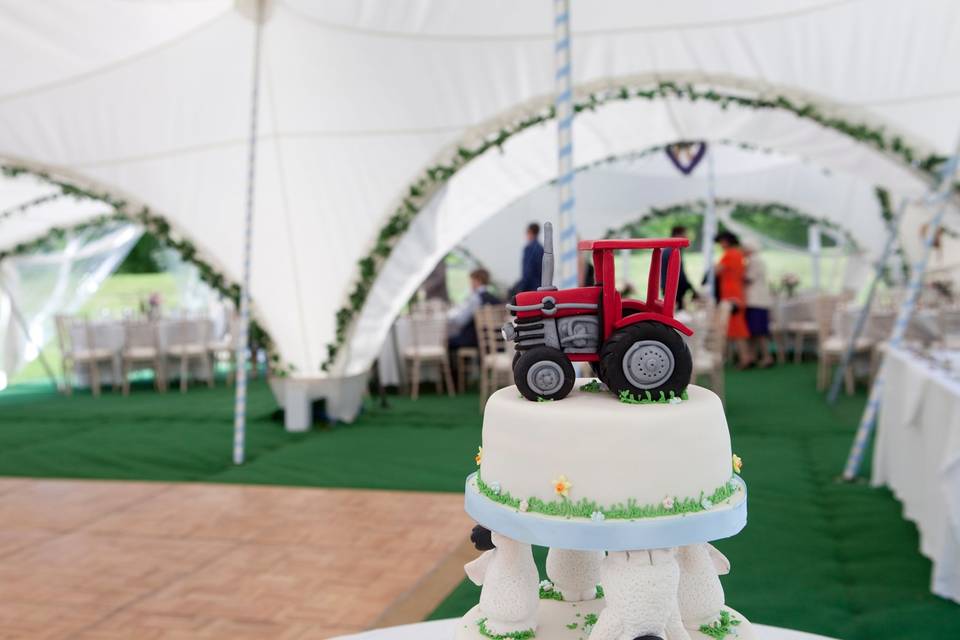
817,555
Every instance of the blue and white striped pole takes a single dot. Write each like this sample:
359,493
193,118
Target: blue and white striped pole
563,104
868,421
709,229
240,400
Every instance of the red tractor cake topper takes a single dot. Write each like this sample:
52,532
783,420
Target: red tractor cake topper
632,345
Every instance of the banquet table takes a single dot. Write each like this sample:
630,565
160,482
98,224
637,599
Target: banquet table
443,630
917,455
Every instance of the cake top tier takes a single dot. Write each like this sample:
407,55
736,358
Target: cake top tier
593,458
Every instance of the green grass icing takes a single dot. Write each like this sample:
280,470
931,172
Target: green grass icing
513,635
584,508
721,628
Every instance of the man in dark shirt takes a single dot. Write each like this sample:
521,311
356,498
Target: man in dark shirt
683,285
532,260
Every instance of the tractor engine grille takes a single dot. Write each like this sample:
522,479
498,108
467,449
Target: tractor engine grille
534,332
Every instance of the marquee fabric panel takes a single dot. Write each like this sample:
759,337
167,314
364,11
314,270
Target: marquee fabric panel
150,100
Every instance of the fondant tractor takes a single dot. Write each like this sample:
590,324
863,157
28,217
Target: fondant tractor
632,345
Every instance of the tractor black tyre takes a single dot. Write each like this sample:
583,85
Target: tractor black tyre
659,360
516,356
544,373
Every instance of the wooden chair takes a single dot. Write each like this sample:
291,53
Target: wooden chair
78,348
428,332
187,342
496,355
800,327
709,353
141,346
834,329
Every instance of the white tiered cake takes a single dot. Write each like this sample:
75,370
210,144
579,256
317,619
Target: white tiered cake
626,496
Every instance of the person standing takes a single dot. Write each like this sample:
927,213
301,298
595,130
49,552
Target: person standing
759,301
683,284
531,262
731,278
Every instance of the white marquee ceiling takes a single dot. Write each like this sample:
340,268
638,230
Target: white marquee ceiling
150,100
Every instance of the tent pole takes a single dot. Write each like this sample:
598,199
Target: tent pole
861,323
868,421
563,108
814,245
240,403
25,327
709,229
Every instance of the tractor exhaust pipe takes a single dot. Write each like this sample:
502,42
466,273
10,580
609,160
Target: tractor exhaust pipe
546,269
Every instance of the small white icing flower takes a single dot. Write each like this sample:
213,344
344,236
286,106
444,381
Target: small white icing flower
706,503
495,487
546,585
597,516
524,505
675,400
667,503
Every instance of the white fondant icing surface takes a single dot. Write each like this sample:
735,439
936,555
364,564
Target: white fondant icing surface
553,619
610,452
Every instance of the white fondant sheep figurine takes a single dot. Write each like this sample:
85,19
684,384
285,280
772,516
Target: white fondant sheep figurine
640,588
574,574
510,580
700,593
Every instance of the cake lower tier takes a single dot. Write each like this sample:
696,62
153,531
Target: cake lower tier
557,620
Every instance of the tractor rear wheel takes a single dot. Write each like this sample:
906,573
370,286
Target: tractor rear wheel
543,373
646,357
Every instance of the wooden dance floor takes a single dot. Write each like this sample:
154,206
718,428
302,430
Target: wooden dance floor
92,559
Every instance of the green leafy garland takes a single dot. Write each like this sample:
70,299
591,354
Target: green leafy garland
660,148
699,207
435,176
151,223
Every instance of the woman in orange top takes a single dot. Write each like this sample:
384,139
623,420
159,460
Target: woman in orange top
731,281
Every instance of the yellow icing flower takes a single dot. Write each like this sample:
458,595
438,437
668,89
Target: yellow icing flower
479,455
561,486
737,463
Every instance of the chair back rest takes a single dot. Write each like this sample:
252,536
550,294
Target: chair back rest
825,312
488,320
140,333
428,329
430,306
65,327
188,331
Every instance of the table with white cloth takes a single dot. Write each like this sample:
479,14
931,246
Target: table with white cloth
444,630
917,455
109,334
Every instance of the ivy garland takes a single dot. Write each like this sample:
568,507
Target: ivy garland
435,176
699,207
153,224
660,148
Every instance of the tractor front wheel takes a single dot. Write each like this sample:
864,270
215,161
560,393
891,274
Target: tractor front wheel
646,357
543,373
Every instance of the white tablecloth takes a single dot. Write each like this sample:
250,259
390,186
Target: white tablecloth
917,455
443,630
